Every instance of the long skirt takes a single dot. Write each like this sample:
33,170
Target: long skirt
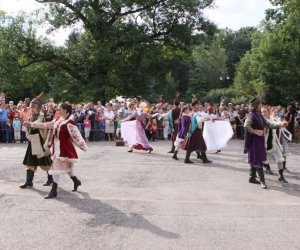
134,134
196,142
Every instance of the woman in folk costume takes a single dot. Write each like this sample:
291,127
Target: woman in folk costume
194,140
183,129
63,134
36,155
173,118
216,134
133,132
272,145
255,141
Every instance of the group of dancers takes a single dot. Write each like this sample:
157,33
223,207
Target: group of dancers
51,144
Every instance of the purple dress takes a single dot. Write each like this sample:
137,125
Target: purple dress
142,142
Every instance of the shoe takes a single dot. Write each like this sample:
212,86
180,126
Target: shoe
199,156
150,150
263,185
29,179
204,158
172,150
53,192
49,181
188,161
175,156
130,151
281,177
253,181
77,183
268,169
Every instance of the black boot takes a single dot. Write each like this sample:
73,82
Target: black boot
252,178
173,149
49,181
284,167
281,178
53,192
29,179
199,155
187,157
204,158
268,169
175,155
261,175
77,183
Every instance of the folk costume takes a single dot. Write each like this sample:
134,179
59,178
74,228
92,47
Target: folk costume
274,150
216,133
63,135
133,131
254,144
36,155
194,140
183,129
174,119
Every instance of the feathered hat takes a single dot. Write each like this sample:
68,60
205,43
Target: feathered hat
38,100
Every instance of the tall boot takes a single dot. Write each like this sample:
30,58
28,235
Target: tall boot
53,192
284,167
29,179
261,175
173,148
77,183
268,169
49,180
175,155
252,178
187,157
199,155
204,158
281,177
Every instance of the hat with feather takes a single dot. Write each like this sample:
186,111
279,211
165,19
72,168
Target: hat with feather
38,100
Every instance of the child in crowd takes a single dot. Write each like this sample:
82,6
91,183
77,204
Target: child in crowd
101,125
17,128
119,119
9,131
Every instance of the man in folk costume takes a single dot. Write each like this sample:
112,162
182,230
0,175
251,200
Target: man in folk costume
63,133
36,155
194,140
255,141
174,118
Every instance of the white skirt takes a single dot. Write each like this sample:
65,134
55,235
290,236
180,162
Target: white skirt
217,134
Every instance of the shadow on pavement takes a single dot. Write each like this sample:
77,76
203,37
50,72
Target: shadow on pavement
104,213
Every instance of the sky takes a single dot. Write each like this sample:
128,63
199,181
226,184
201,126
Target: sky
232,14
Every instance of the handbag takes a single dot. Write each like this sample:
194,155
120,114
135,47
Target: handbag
120,143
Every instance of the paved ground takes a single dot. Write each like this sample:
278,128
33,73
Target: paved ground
149,201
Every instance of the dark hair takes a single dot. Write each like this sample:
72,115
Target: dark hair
67,107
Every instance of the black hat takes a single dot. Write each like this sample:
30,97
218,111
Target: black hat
195,102
37,100
255,101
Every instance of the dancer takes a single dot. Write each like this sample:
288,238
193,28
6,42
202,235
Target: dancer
63,134
272,145
255,141
36,155
173,117
216,134
194,139
133,132
183,129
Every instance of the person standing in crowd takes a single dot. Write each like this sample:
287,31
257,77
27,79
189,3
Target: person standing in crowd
109,122
255,141
64,133
36,155
17,128
194,138
273,146
3,120
92,116
87,127
173,118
